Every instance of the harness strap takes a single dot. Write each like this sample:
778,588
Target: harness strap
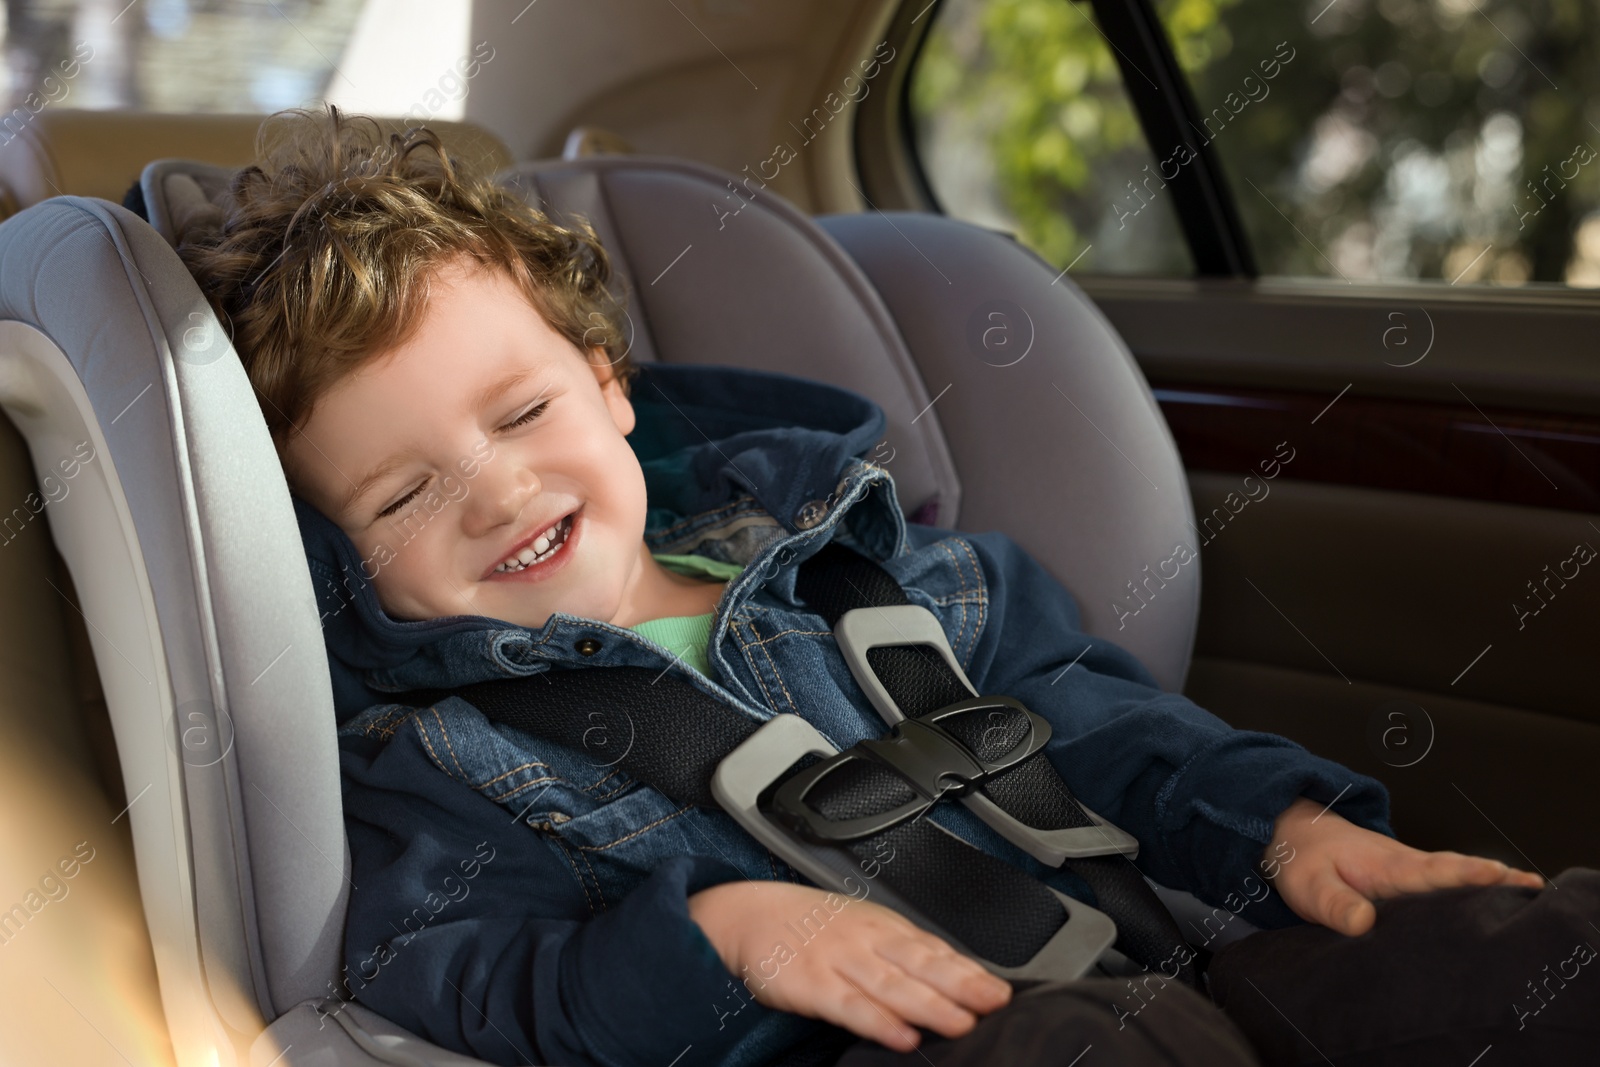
838,579
666,733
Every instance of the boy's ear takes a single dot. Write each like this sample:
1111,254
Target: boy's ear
617,401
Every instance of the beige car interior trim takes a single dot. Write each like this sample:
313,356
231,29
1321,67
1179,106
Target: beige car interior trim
46,401
722,82
73,152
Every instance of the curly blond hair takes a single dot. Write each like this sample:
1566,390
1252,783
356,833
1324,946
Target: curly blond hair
319,258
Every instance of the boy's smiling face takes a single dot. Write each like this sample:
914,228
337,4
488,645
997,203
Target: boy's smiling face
474,467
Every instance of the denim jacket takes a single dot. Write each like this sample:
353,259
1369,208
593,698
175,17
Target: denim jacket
523,902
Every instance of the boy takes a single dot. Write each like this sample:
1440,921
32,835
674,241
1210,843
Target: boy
446,382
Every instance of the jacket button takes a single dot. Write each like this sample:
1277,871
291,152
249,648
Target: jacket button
811,513
588,646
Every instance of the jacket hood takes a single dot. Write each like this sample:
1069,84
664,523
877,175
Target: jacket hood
705,436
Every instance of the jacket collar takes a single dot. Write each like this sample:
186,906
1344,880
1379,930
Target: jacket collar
718,446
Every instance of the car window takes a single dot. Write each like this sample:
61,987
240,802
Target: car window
1362,140
1020,122
1435,139
232,56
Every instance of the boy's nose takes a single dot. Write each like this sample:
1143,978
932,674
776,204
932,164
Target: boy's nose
503,499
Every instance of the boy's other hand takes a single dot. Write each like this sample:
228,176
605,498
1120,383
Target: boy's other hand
866,968
1334,869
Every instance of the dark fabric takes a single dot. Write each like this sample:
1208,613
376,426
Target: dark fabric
1461,976
1439,978
822,1050
133,200
837,579
1080,1024
475,960
989,906
654,725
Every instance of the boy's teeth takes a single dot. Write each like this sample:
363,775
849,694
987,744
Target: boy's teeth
541,545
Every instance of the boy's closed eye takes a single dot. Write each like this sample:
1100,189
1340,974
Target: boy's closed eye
528,417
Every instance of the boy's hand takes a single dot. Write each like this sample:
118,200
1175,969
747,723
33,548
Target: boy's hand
867,968
1335,869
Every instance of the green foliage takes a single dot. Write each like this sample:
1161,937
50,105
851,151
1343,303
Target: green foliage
1404,139
1035,82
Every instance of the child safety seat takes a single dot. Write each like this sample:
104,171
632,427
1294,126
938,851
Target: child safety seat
1011,404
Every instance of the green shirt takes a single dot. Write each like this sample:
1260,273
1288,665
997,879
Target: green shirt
687,635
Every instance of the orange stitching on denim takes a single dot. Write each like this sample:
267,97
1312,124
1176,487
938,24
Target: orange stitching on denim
392,720
619,789
514,770
550,778
445,731
613,774
543,640
775,672
961,631
601,893
954,562
636,833
977,568
983,594
577,874
744,646
498,797
952,612
782,633
427,743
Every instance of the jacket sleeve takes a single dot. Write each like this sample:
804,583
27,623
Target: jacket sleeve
468,929
1200,796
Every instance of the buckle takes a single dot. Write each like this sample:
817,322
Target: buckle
746,772
861,629
922,753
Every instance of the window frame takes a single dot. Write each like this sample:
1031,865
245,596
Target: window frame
890,171
891,168
1161,97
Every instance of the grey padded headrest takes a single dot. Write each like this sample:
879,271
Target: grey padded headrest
180,192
